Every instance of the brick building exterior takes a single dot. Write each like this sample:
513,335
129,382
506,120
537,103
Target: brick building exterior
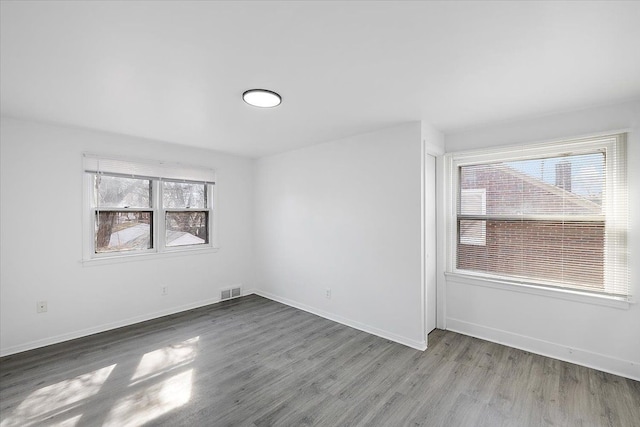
547,249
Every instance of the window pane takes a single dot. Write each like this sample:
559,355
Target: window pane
548,246
564,185
568,252
187,228
184,195
123,231
120,192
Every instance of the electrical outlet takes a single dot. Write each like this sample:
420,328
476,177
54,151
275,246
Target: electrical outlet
41,307
327,293
164,290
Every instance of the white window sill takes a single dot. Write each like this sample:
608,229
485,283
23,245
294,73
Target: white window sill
116,259
566,294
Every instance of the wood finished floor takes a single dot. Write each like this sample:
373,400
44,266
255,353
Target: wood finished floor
255,362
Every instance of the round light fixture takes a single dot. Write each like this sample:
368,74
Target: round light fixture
262,98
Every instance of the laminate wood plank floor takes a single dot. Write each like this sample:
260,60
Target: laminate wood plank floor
255,362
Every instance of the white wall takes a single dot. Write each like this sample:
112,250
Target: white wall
41,244
346,215
602,337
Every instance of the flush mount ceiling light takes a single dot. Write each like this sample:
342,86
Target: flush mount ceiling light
262,98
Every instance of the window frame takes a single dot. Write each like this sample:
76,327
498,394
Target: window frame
616,206
158,228
208,208
96,209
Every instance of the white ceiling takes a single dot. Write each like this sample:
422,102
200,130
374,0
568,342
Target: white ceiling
175,71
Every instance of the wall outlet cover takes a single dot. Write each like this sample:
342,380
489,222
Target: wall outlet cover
41,307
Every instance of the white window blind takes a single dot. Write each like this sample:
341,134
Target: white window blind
473,201
550,215
147,169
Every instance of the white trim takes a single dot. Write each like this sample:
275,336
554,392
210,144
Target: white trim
431,237
616,210
625,368
418,345
424,310
450,205
130,257
106,327
157,223
441,247
532,151
560,293
147,168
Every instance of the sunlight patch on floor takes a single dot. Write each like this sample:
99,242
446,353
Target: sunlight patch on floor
167,358
69,422
151,402
57,398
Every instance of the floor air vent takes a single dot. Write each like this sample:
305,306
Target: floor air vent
230,293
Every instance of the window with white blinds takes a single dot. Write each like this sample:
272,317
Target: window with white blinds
552,215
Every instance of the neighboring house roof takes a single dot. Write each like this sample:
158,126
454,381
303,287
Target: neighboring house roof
554,189
132,237
181,238
543,198
126,236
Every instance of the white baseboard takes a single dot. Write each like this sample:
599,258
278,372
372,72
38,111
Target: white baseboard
418,345
248,292
601,362
105,327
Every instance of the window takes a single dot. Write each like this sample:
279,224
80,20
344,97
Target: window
552,215
145,207
186,214
123,214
